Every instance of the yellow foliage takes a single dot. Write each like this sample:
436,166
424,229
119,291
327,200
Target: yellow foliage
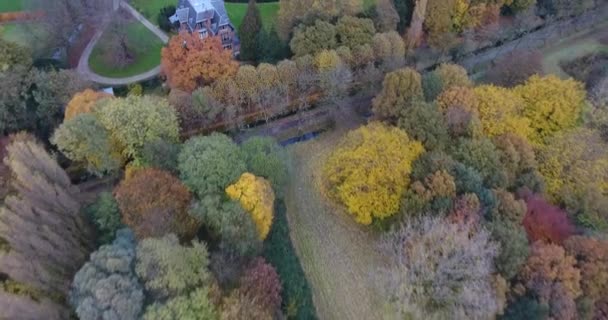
500,111
551,104
256,197
327,60
369,171
83,102
463,97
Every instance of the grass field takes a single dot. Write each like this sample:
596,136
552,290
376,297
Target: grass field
11,5
236,11
573,47
27,35
339,256
146,48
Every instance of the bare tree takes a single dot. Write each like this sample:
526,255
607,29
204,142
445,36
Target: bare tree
117,51
440,270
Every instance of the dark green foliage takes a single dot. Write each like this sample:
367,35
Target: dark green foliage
424,122
105,215
526,308
266,158
207,165
271,48
163,18
482,155
279,251
248,32
228,221
161,154
106,287
468,180
432,86
514,248
404,8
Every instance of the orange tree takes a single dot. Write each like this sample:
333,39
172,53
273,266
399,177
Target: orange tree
189,61
154,203
84,102
369,171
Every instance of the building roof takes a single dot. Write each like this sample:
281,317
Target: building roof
200,10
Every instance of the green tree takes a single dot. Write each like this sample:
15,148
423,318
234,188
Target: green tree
249,29
11,55
105,214
354,32
83,139
271,48
207,165
514,248
314,38
404,9
161,154
424,122
266,158
169,269
135,121
482,155
195,306
106,286
399,89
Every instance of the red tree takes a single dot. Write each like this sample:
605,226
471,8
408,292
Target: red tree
261,283
546,222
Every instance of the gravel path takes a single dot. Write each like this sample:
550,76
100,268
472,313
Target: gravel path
83,64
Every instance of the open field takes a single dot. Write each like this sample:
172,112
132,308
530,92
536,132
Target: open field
11,5
145,46
338,255
236,11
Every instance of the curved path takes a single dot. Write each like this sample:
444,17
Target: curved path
83,64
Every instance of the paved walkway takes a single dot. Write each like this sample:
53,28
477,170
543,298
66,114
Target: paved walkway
83,64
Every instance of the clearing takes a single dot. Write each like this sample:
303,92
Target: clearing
338,255
236,11
574,47
144,45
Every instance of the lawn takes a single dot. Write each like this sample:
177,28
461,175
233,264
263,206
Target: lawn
10,5
236,11
268,11
146,48
26,35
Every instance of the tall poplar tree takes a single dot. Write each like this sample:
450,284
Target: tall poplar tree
249,30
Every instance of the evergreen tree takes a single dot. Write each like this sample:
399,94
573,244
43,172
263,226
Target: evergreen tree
249,30
404,9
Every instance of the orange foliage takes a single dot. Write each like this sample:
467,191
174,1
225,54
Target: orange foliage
189,61
462,97
83,102
154,203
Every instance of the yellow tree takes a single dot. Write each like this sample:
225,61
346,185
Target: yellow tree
369,171
551,104
500,111
83,102
256,197
399,88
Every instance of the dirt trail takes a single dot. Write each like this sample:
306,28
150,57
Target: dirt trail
339,256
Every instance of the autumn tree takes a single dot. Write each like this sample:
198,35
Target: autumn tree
111,270
11,55
546,222
44,236
196,306
416,14
551,274
292,12
389,49
518,158
168,269
256,196
551,104
238,306
399,89
440,270
209,164
314,38
574,167
162,155
501,111
424,122
135,121
262,284
515,68
154,203
83,139
84,102
387,17
453,75
189,61
592,259
249,29
352,32
481,154
369,171
514,248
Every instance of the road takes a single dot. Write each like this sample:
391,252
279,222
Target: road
83,64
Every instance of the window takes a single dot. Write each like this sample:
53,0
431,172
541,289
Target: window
226,36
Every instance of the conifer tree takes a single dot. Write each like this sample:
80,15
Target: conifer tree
249,30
